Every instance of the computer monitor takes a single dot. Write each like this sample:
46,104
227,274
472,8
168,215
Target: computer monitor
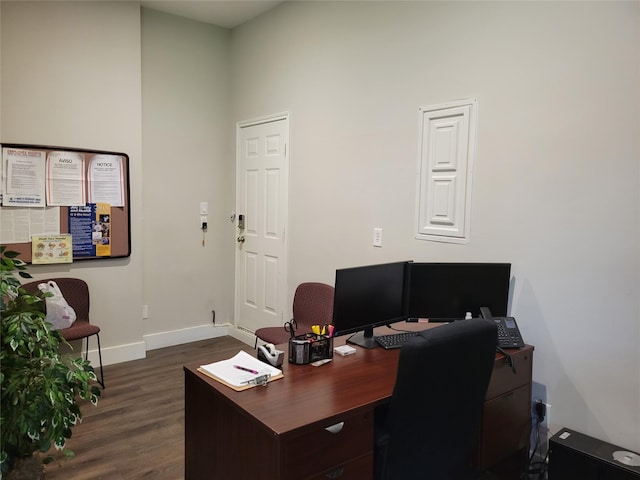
367,297
442,292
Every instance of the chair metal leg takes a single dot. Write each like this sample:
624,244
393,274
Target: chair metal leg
101,381
86,357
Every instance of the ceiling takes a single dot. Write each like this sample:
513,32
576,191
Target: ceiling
222,13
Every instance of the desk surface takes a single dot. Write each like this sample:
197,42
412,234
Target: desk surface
309,394
318,393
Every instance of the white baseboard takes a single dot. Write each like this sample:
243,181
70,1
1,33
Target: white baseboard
113,355
184,335
138,350
242,335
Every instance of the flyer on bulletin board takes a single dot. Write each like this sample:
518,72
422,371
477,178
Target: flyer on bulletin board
90,226
51,249
102,225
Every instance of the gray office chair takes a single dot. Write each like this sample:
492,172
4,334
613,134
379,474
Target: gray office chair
431,425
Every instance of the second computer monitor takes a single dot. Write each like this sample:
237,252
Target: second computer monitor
447,291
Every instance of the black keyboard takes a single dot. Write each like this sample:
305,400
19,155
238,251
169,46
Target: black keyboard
394,340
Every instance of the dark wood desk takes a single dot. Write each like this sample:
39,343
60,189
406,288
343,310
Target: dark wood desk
280,432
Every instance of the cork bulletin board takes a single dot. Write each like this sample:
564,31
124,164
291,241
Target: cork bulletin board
59,193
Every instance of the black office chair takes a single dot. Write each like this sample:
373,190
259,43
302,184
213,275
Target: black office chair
430,427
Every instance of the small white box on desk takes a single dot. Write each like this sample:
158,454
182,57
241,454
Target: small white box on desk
344,350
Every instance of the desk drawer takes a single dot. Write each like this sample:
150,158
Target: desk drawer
360,468
319,450
503,379
505,426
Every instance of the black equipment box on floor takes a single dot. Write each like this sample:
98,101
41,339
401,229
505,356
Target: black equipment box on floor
573,455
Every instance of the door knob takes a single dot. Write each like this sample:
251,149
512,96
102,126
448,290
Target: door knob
241,239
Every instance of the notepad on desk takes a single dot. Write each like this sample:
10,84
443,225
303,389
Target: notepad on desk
240,371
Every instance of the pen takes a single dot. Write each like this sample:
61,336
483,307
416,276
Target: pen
245,369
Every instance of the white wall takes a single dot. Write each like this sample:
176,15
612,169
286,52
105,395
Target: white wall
557,167
100,75
188,159
71,77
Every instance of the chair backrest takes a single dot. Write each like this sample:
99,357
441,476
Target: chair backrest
437,401
313,305
74,290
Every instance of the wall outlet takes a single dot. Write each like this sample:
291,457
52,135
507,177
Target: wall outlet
145,311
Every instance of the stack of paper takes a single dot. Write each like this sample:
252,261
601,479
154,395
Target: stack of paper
239,371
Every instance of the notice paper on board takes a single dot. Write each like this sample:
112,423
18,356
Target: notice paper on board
65,179
23,177
238,371
106,180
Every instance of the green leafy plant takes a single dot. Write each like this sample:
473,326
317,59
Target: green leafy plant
40,386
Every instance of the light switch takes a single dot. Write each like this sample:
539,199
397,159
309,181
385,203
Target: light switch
377,237
204,208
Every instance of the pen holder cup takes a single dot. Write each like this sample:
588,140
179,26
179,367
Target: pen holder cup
309,348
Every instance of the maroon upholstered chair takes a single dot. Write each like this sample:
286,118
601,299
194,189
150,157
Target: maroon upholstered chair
76,293
312,305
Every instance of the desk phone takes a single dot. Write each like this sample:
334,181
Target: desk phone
508,332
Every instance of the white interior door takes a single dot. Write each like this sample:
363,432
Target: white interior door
262,179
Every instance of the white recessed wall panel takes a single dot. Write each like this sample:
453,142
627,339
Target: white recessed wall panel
442,205
444,149
445,161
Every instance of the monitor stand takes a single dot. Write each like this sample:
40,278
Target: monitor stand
364,339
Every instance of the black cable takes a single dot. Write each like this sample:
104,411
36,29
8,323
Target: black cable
399,330
508,358
544,468
535,432
536,441
540,467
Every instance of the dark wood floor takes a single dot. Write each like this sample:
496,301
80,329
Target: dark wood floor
137,429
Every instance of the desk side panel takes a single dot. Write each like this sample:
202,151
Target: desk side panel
506,418
218,438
